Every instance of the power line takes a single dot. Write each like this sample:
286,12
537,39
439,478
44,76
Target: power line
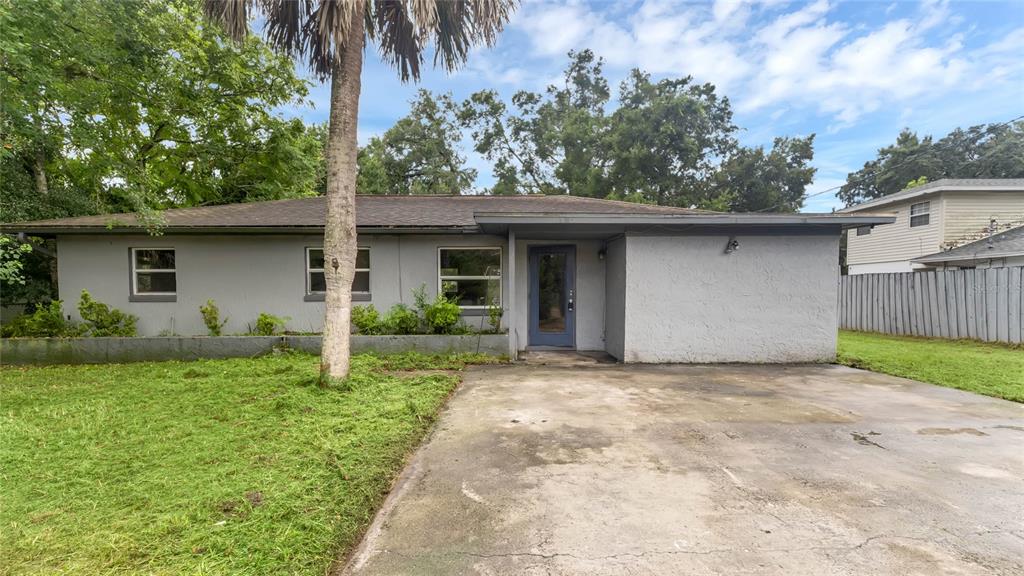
990,128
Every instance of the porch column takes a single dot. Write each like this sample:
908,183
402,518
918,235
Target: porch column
510,322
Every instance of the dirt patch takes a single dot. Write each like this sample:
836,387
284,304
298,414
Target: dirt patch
950,431
1005,427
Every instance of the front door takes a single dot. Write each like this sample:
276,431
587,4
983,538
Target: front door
552,296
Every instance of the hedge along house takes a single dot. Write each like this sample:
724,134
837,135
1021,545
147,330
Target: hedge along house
644,283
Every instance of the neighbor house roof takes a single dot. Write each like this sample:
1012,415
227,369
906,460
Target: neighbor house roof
943,185
411,213
1004,244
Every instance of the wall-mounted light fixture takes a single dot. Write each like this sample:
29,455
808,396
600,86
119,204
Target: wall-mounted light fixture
732,245
601,254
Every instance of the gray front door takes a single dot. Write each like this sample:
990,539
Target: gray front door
552,276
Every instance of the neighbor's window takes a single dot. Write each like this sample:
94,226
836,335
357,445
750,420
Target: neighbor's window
154,272
472,276
919,214
863,230
316,282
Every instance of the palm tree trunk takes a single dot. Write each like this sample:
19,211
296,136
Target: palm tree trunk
340,227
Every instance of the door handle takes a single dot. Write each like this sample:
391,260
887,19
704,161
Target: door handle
572,300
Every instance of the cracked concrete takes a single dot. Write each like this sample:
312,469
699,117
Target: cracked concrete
707,470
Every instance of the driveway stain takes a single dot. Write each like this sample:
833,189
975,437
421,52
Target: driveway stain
950,431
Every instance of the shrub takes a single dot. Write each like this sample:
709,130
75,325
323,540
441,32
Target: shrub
46,322
442,316
211,317
401,320
268,324
367,320
494,314
102,320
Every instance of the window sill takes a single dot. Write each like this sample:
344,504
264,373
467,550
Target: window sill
356,297
152,297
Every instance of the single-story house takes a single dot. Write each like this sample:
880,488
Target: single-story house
996,251
644,283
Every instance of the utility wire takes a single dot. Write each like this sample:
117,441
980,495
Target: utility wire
867,177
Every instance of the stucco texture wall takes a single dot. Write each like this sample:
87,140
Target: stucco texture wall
246,275
615,298
773,300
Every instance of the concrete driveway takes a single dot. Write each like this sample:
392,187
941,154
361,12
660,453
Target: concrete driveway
707,470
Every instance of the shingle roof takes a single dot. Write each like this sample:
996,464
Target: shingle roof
371,212
1009,243
959,184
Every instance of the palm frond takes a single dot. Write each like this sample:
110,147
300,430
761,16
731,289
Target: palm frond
284,23
231,15
326,31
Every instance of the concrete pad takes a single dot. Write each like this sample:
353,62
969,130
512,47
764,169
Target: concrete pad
707,470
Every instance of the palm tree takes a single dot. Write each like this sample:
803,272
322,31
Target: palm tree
331,35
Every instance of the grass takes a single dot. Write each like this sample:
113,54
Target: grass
980,367
240,466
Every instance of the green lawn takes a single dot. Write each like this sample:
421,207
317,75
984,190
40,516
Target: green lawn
213,467
985,368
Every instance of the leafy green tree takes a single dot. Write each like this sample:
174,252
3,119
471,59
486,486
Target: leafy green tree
135,105
983,151
752,180
419,154
665,143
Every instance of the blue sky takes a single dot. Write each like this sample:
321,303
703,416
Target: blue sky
854,73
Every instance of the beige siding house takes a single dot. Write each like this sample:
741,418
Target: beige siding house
931,218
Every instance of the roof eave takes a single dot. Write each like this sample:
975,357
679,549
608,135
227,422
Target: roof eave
901,197
716,219
299,230
945,257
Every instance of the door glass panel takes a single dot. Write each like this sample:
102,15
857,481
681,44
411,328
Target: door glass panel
551,274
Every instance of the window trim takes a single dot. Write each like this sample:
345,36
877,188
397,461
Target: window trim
311,296
500,277
133,276
927,212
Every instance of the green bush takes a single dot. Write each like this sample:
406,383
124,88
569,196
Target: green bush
211,317
401,320
268,324
367,320
494,314
46,322
102,320
442,316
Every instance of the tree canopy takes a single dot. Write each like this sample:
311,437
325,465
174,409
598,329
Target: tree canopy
983,151
137,105
670,141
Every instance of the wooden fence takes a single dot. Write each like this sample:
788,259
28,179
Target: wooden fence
980,304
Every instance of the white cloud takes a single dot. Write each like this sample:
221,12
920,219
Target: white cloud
781,55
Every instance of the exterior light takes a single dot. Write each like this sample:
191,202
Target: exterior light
732,245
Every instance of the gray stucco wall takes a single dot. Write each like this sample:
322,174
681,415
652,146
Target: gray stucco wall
246,275
773,300
615,298
590,288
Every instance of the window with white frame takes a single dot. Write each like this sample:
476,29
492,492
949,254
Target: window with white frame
919,214
154,272
316,281
470,276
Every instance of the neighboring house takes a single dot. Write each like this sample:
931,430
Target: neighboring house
996,251
929,218
644,283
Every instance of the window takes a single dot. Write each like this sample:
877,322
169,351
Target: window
154,274
316,282
863,230
919,214
472,276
